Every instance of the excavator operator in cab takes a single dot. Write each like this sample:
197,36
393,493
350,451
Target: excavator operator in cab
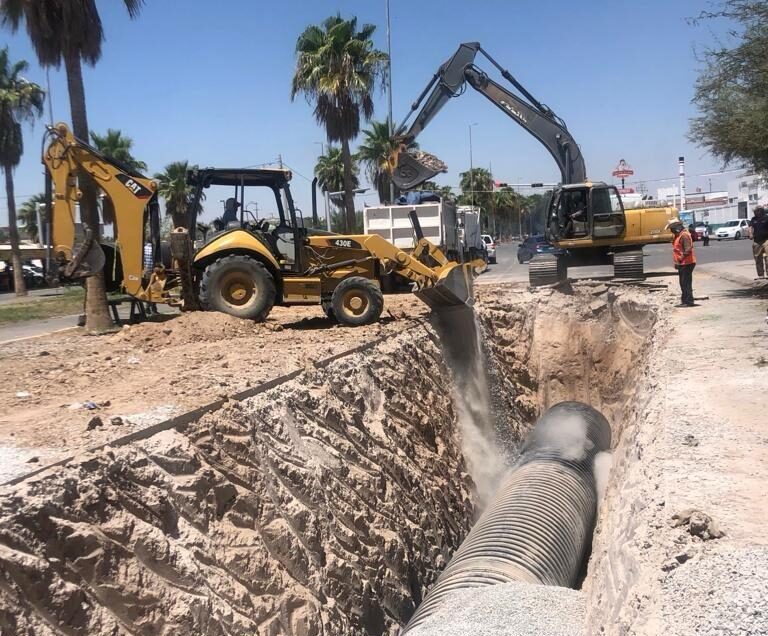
577,212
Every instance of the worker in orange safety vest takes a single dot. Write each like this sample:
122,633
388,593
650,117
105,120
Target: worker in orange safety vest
685,260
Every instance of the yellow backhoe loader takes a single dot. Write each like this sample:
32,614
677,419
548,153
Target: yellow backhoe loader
248,265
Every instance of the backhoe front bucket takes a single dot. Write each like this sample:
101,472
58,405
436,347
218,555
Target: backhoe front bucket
453,288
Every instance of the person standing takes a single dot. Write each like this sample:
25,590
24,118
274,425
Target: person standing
759,225
705,237
685,260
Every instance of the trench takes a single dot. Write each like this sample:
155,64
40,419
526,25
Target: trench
329,504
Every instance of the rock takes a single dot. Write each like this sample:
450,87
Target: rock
690,440
33,460
116,420
23,394
43,353
699,524
94,422
596,306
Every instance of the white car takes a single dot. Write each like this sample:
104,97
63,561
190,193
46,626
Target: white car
490,247
735,229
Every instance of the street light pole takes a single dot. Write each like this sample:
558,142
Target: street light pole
389,91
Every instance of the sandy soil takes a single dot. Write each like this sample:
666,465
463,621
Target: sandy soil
148,372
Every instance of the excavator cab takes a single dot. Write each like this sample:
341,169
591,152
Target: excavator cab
585,211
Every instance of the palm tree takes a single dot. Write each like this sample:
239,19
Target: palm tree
337,69
71,32
28,216
329,171
20,100
376,152
116,146
173,188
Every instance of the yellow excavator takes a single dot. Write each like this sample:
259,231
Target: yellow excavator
245,267
586,219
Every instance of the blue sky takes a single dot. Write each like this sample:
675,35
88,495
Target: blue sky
211,83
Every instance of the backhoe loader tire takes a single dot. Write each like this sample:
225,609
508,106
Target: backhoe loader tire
357,301
239,286
327,306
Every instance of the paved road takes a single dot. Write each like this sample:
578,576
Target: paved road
658,258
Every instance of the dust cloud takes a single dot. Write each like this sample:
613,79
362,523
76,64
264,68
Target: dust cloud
602,470
461,339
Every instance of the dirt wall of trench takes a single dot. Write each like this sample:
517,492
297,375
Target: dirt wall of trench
306,510
325,506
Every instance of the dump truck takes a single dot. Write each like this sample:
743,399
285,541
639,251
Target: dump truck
455,230
248,265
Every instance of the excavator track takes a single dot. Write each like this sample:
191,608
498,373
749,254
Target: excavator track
546,269
628,264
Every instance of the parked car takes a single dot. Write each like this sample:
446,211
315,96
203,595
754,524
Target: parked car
735,229
700,231
536,244
490,246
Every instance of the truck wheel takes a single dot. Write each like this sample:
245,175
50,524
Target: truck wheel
357,301
239,286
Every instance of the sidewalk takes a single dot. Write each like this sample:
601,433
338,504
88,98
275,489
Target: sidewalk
37,328
9,298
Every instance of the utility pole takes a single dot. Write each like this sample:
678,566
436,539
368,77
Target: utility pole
681,169
389,91
280,161
471,171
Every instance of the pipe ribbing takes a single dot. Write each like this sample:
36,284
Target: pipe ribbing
540,522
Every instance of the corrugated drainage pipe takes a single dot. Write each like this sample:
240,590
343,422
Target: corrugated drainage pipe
540,522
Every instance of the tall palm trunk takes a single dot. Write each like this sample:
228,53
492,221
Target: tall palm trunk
13,231
97,316
349,195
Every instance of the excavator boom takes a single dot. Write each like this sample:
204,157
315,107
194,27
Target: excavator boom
409,170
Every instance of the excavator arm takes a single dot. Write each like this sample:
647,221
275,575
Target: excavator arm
450,81
130,193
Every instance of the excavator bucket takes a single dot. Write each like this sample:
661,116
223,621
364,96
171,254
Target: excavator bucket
453,288
414,168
